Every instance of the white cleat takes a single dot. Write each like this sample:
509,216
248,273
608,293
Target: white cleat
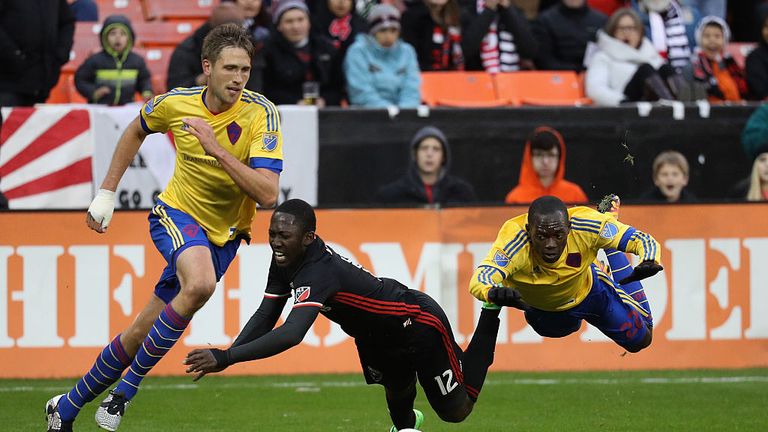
111,411
53,418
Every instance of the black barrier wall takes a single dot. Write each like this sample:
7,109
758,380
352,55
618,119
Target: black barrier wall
363,149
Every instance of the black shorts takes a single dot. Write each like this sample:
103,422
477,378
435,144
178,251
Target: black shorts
426,350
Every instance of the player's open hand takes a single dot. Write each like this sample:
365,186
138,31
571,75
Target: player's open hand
202,362
201,130
510,297
643,270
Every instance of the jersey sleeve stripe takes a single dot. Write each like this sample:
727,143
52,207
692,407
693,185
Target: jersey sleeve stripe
275,165
593,222
273,296
578,228
144,125
305,304
519,246
625,239
642,238
514,241
273,124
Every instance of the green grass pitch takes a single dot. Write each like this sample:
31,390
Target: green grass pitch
696,400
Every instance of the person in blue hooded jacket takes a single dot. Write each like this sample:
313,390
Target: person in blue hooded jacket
380,68
115,74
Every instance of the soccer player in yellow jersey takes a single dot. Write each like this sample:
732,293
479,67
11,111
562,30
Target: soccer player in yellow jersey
228,159
543,262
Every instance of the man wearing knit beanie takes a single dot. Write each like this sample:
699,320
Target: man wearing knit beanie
300,62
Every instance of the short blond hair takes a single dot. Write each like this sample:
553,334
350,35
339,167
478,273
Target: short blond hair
670,157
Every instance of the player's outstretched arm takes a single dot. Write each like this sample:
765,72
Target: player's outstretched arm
288,335
263,320
260,184
100,211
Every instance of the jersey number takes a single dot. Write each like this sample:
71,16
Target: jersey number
449,384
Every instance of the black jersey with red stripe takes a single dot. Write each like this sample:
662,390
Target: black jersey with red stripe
361,303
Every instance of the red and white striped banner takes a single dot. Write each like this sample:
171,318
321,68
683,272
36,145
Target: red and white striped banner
46,157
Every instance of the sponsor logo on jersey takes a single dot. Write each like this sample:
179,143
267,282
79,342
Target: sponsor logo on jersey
500,259
609,231
269,142
233,132
302,294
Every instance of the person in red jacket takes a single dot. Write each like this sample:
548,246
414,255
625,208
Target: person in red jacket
543,170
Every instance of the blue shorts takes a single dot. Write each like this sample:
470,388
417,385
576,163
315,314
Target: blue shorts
172,232
618,316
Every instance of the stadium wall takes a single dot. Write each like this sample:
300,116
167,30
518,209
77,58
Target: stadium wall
65,290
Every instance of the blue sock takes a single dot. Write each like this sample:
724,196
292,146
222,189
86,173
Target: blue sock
621,268
107,369
166,330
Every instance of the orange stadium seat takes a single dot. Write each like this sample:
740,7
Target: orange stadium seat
132,9
157,60
179,10
162,34
60,93
542,88
460,89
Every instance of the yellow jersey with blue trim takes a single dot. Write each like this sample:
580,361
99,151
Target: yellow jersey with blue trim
565,283
249,130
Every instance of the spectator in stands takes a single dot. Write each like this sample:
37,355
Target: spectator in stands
755,187
707,7
186,69
542,171
669,28
670,177
256,20
381,69
34,44
563,32
757,65
427,180
84,10
115,74
298,60
434,29
337,20
626,67
498,38
754,136
713,66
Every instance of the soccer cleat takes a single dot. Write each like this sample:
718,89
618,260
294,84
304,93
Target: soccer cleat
111,411
54,419
610,204
419,420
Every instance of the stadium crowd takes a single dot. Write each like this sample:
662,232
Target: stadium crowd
371,54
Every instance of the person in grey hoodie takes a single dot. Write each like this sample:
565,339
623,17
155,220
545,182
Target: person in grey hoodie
114,75
427,180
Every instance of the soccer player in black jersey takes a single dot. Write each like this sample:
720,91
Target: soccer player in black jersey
400,333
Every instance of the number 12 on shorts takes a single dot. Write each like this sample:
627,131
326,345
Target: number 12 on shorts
449,384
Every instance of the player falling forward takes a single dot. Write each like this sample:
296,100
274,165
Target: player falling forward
229,157
543,262
400,333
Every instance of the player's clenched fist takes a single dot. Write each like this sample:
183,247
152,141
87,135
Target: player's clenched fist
643,270
502,296
100,211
